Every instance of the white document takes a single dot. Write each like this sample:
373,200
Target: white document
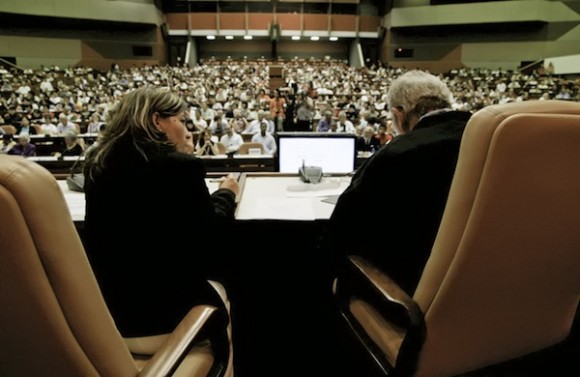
310,190
281,209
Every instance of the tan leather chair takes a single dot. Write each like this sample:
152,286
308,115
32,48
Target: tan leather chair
53,319
246,146
9,129
503,278
222,149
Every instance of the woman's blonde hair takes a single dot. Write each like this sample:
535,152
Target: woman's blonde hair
132,118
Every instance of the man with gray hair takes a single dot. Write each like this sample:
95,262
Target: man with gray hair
405,183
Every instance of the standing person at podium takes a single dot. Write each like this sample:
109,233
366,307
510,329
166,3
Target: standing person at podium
407,181
145,195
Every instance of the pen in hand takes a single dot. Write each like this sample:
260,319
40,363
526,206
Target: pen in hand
223,179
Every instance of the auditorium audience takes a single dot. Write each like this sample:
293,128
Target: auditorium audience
304,113
383,135
205,145
47,127
241,87
25,128
94,124
144,198
325,122
266,139
278,109
343,124
253,127
64,125
367,143
403,187
218,124
101,131
238,122
73,145
24,147
7,143
231,140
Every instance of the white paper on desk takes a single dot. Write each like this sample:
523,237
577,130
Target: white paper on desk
313,192
283,209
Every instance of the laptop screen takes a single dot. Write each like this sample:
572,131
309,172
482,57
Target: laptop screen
334,153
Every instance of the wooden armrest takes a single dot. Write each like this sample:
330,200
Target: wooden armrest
167,358
399,315
361,279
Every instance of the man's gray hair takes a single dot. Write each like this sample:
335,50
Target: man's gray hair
411,87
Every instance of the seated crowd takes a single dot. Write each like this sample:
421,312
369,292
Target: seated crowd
233,102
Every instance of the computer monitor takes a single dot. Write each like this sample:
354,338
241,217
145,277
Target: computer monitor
333,152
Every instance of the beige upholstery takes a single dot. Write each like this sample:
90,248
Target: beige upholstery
53,319
9,129
246,146
222,149
503,279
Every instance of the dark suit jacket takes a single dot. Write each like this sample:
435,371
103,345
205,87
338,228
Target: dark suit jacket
154,235
362,146
391,210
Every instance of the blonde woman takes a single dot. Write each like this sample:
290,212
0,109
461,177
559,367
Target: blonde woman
145,195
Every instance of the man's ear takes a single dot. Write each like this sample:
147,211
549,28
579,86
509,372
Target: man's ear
399,114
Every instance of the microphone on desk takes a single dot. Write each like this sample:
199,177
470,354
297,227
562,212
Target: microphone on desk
76,182
310,174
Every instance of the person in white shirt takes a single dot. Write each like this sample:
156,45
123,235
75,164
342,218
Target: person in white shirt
254,126
238,122
94,124
218,124
343,124
231,140
47,127
65,125
199,123
46,86
266,139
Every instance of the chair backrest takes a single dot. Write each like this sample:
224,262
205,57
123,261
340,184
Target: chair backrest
503,279
9,129
248,145
38,129
222,149
53,319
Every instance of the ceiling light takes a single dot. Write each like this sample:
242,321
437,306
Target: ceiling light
315,38
229,37
211,37
247,37
334,39
295,37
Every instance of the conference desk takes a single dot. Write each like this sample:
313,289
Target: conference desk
280,196
57,165
266,196
221,163
213,164
239,163
278,280
46,145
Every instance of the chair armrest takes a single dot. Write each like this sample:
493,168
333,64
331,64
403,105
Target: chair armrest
193,328
373,295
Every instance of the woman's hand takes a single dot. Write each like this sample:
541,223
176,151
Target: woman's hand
231,183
